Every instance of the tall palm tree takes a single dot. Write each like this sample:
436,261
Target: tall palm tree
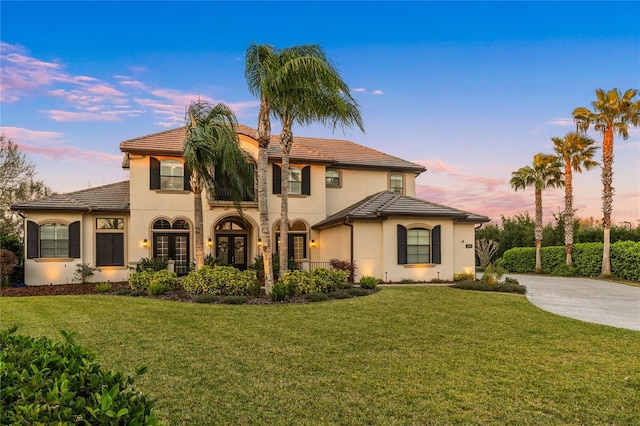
613,112
545,173
576,152
310,90
260,71
295,85
212,152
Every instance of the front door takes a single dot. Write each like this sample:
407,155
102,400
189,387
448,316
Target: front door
232,249
173,247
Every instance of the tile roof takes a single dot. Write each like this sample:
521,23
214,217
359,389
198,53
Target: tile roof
340,153
112,197
384,204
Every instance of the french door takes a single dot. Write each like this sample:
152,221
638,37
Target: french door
173,246
232,249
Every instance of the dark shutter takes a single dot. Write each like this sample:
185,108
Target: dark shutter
118,249
277,179
306,180
402,245
154,173
33,231
74,240
435,241
187,178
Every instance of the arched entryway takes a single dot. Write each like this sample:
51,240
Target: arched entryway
297,241
231,236
171,242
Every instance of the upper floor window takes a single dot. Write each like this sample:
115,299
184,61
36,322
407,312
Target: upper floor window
299,180
396,183
171,175
332,178
295,181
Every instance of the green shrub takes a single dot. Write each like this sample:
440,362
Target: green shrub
206,298
84,271
344,265
153,264
319,280
235,300
625,260
124,292
221,280
506,286
46,382
316,297
464,276
140,280
357,292
563,270
279,291
156,288
164,278
138,293
258,267
492,274
368,282
339,294
407,281
103,287
587,259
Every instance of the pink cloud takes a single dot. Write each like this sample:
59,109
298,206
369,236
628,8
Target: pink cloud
83,116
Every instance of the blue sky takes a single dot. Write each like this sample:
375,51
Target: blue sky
471,90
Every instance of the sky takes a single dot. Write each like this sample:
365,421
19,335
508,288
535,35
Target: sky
470,90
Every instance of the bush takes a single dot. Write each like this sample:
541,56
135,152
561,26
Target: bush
317,297
368,282
8,263
235,300
221,280
357,292
339,294
319,280
587,259
508,286
154,264
147,279
103,287
464,276
258,267
344,265
279,291
84,271
206,298
156,288
563,270
46,382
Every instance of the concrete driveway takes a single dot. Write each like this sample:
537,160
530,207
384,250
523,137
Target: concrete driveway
589,300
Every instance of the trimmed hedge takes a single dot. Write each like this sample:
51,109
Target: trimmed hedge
222,280
587,259
46,382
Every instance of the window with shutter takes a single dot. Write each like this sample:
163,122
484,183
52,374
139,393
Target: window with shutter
418,245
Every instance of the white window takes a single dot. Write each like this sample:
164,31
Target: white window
332,178
172,175
396,183
54,240
295,181
418,245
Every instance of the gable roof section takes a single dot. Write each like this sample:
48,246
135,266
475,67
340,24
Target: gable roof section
385,204
336,152
112,197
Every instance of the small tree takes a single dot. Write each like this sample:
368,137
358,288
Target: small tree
485,249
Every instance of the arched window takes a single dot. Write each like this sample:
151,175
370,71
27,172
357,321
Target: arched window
297,241
180,224
161,224
396,183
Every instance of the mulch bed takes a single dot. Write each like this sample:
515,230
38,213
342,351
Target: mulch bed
56,290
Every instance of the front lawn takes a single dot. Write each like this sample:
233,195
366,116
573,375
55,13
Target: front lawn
405,355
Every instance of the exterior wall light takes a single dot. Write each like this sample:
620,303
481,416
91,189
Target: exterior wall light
313,243
259,242
145,243
209,242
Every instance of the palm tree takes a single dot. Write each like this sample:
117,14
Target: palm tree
261,66
296,85
576,151
545,173
612,113
212,152
310,90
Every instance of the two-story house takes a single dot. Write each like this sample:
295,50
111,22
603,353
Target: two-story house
346,202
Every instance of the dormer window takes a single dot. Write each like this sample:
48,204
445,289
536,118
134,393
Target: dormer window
396,183
332,178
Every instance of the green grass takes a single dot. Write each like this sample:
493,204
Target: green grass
405,355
